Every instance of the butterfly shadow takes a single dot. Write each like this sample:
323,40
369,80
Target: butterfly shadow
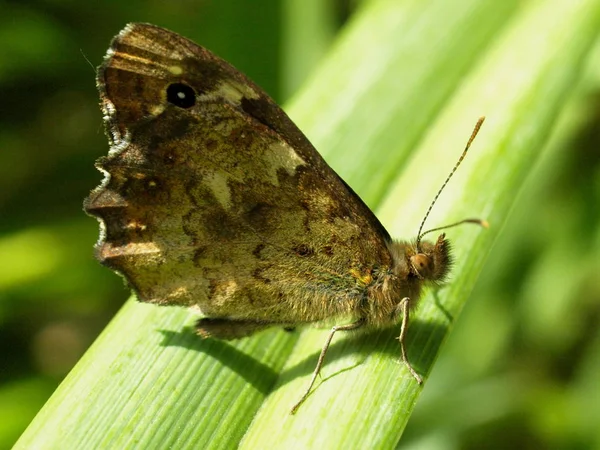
259,375
438,303
360,344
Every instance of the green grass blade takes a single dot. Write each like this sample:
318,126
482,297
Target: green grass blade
387,79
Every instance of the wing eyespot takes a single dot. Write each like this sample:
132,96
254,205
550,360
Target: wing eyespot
181,95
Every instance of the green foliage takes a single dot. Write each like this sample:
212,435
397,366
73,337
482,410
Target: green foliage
390,106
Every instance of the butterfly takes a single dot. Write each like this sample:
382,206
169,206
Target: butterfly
213,199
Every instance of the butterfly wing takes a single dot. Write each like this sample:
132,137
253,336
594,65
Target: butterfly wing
213,198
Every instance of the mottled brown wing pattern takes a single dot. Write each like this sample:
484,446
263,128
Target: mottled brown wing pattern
222,204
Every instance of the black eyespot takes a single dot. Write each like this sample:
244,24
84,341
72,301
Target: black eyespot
181,95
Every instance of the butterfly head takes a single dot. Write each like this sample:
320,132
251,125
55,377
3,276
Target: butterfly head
430,261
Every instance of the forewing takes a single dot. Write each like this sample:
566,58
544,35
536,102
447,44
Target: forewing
223,205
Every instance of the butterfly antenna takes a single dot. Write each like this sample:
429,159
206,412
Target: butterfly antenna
462,156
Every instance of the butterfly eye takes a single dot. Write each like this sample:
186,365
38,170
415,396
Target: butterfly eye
181,95
422,265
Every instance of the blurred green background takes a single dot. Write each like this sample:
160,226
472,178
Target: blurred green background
523,364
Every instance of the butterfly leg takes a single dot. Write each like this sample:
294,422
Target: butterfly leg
403,306
351,326
222,328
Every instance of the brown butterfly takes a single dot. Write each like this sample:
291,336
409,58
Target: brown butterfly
214,199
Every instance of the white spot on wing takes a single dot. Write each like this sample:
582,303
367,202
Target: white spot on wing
157,110
232,92
217,182
281,156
